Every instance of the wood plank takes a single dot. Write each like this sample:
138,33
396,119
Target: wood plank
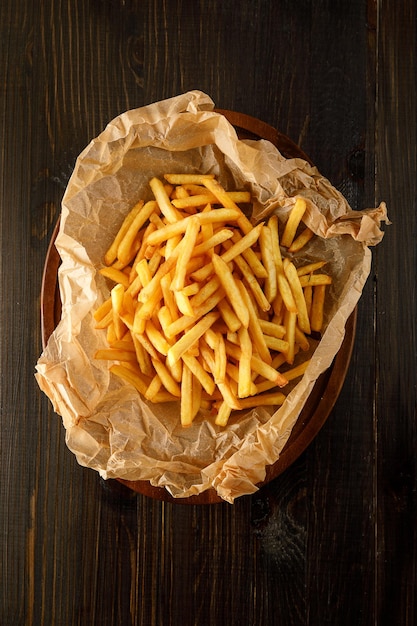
395,410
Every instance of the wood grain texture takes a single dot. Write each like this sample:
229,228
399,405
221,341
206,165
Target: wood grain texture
395,409
333,539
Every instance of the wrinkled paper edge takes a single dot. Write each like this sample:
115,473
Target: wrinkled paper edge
76,398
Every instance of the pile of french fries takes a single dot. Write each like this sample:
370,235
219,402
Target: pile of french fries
204,307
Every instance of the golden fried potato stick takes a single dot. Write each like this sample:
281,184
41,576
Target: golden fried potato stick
315,279
302,240
231,289
124,249
268,260
317,307
195,366
245,364
293,222
184,255
310,268
297,290
111,254
184,179
167,209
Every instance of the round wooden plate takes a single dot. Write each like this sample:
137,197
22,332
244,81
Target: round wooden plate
326,389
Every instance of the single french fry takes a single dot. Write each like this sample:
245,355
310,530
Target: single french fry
190,290
125,344
315,279
232,291
290,322
169,298
111,254
286,292
187,245
229,316
183,303
163,396
199,372
308,297
271,328
146,344
317,307
115,354
143,271
115,275
276,398
278,345
117,296
154,260
165,375
268,260
220,359
293,222
233,373
303,238
273,227
142,357
156,338
153,387
228,394
223,414
243,243
187,202
197,394
171,245
137,379
208,245
148,308
102,310
301,339
297,371
184,179
297,290
124,249
186,413
245,369
128,305
164,203
310,268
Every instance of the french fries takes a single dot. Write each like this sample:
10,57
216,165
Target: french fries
205,308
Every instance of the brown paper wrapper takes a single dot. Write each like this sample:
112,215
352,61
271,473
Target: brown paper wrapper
109,427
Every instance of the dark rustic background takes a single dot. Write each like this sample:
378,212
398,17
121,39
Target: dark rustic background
333,539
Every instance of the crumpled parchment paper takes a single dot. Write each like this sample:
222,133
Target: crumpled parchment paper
108,425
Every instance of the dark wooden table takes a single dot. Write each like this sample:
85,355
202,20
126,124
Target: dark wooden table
333,539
